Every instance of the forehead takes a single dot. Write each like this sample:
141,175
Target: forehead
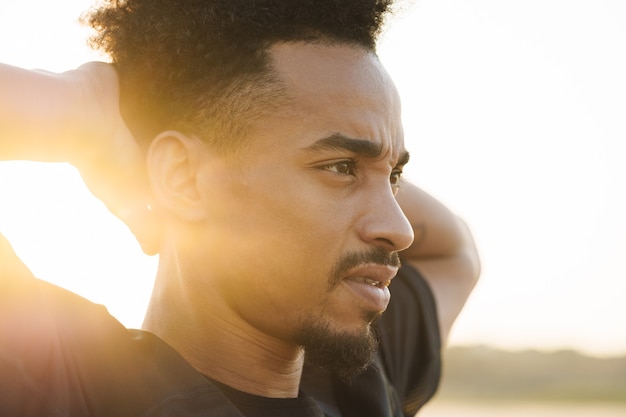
339,89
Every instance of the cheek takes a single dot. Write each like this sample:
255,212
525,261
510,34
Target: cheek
293,213
276,221
290,243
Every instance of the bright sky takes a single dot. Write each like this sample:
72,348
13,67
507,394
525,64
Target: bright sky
515,117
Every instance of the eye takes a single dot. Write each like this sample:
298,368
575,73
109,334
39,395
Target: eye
395,177
344,167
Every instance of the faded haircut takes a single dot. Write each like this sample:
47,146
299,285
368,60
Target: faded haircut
202,66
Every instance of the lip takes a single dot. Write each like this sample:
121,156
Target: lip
383,274
369,284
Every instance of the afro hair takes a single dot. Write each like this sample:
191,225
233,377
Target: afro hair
202,65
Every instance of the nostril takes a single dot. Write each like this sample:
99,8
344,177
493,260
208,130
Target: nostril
386,241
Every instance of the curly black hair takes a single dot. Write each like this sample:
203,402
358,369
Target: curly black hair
202,65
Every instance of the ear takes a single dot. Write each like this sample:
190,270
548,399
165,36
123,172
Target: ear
173,161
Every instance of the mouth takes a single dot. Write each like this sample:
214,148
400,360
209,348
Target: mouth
368,284
376,275
371,281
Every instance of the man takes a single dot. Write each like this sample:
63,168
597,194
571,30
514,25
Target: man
274,153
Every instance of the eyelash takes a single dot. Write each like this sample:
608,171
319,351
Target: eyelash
396,177
351,167
349,164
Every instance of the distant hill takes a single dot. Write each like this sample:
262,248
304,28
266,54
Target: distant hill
482,373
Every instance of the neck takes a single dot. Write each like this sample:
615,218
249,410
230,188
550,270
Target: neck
217,342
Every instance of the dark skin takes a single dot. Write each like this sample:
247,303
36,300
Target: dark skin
443,249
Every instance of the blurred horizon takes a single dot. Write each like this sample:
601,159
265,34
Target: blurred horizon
482,381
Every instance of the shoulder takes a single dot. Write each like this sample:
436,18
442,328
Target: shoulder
61,354
65,354
52,340
410,343
412,306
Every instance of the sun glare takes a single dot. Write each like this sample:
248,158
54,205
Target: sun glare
514,117
66,236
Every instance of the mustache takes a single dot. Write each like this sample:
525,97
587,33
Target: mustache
376,255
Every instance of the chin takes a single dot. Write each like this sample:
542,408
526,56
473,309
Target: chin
344,353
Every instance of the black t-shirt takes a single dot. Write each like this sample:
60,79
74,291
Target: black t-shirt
61,355
406,370
255,406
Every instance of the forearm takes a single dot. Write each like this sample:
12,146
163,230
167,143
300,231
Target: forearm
437,230
74,117
443,251
39,115
451,279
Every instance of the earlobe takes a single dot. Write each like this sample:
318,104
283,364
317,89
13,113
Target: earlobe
173,161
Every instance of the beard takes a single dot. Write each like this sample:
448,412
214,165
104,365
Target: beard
341,353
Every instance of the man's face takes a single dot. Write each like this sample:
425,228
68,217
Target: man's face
303,225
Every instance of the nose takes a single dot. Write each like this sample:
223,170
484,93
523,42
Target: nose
384,223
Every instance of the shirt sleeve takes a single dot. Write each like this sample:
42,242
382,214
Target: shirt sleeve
410,340
11,266
43,331
62,355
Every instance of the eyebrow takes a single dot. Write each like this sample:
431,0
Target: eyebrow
337,141
404,158
362,147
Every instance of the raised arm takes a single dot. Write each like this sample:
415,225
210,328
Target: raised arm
67,117
74,117
443,251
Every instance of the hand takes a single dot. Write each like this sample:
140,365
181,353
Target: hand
107,156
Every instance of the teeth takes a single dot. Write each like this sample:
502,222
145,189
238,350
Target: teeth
371,282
